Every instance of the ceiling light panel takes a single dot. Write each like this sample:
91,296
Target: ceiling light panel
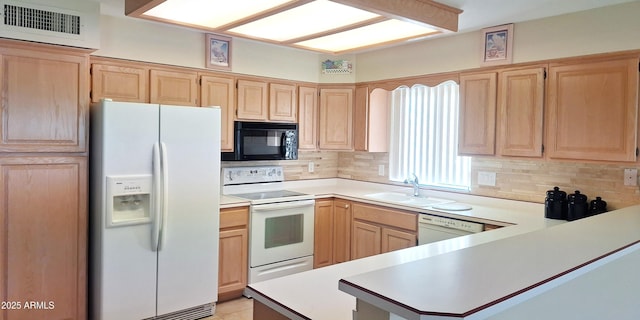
312,18
210,13
387,31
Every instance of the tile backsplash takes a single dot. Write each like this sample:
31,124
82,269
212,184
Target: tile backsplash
517,179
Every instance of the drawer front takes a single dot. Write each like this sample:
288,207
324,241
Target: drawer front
386,216
234,217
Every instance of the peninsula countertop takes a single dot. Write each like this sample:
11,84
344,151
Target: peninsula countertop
314,294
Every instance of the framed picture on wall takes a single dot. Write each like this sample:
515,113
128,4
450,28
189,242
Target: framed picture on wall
497,45
218,52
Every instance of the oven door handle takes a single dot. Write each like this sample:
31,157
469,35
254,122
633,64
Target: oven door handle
283,205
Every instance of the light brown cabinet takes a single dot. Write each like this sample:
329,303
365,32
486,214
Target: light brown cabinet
45,98
307,118
477,122
371,119
336,119
263,101
43,236
233,253
342,220
323,233
332,232
220,91
592,110
252,100
283,104
520,112
145,83
379,229
173,87
126,82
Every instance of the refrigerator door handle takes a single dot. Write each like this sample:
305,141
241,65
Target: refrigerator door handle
157,198
165,192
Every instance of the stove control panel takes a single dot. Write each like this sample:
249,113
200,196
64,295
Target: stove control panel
244,175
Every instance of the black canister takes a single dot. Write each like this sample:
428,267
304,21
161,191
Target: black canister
597,206
578,206
555,204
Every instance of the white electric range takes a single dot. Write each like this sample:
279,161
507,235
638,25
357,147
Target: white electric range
280,224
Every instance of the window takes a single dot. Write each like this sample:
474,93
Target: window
424,136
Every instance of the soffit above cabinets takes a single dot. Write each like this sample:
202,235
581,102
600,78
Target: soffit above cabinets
328,26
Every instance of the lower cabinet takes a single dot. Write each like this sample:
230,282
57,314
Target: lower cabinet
332,233
233,252
379,229
43,237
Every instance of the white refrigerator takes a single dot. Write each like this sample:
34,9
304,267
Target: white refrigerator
155,186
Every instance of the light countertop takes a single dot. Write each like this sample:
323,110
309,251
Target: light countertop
315,295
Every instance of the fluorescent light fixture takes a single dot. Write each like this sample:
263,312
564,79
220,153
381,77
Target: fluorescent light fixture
312,18
210,13
330,26
379,33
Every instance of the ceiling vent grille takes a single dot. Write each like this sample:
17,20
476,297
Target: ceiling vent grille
73,23
41,19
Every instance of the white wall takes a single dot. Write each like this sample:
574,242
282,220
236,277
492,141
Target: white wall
595,31
136,39
608,29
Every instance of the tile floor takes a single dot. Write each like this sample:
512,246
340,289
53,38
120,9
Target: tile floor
237,309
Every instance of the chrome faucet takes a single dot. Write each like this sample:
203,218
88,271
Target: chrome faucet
416,185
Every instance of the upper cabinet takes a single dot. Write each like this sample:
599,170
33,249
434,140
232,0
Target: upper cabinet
252,100
371,119
173,87
263,101
307,117
126,83
220,91
592,110
282,102
145,83
336,119
477,125
45,98
520,112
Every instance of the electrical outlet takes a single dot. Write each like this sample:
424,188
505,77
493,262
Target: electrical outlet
311,167
630,177
381,169
486,178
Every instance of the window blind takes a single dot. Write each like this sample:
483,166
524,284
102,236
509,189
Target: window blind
424,136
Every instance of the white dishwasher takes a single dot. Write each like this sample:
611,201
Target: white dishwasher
432,228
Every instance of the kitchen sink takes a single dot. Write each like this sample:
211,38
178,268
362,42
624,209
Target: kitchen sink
406,199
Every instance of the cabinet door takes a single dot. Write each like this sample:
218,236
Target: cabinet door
43,236
233,252
336,119
395,240
592,110
282,102
220,91
342,218
477,125
323,234
307,118
45,100
361,119
252,100
520,108
119,83
366,240
173,87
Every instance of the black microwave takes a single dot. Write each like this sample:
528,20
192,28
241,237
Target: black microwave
263,141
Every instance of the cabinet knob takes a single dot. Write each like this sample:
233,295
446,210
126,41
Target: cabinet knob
346,206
